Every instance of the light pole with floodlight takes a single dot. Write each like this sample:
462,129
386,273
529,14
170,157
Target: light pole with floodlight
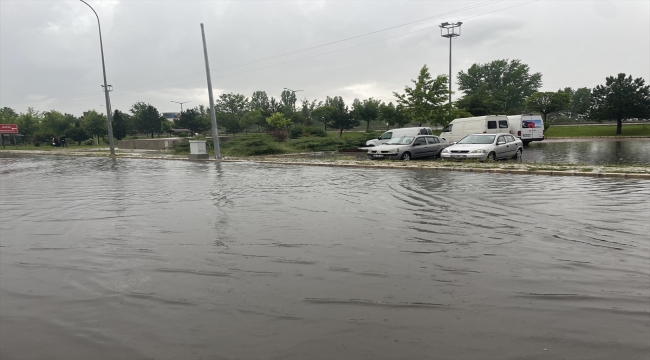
178,102
450,30
109,116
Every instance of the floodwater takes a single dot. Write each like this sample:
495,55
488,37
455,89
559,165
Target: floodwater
631,151
147,259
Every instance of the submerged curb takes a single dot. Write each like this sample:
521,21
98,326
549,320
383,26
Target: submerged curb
477,170
621,175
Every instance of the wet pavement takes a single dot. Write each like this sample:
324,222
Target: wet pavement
152,259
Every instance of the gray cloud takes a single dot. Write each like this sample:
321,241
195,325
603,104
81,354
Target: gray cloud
50,58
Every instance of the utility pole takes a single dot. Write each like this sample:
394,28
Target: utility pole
450,31
213,117
109,115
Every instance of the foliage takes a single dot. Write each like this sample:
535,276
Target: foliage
393,115
194,120
252,145
335,114
498,87
8,115
277,121
306,131
307,110
77,133
120,124
252,118
367,111
317,144
260,101
424,102
42,137
147,119
28,123
230,108
288,100
548,102
449,114
95,124
621,98
56,122
579,105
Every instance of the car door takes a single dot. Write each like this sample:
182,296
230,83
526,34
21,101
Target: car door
512,145
419,147
502,147
433,144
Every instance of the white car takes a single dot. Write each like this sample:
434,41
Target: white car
398,133
483,147
408,147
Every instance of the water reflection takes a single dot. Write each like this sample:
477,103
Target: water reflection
626,152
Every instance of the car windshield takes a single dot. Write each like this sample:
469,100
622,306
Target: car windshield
477,139
400,141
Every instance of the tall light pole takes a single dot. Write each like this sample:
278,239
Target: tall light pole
109,116
213,117
294,94
184,102
450,31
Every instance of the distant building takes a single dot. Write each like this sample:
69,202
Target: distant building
171,115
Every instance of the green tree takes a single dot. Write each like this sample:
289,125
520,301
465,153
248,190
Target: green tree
621,98
28,123
307,110
548,102
194,120
253,118
336,114
146,118
120,124
259,101
498,87
94,124
56,122
366,110
278,121
288,100
426,99
8,116
580,100
393,115
77,133
230,108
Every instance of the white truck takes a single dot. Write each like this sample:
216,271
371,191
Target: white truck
395,133
527,127
490,124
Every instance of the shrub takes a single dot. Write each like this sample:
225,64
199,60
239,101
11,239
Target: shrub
42,137
252,145
296,131
306,131
89,141
317,144
279,135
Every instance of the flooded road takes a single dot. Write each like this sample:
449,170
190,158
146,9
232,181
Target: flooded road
632,151
146,259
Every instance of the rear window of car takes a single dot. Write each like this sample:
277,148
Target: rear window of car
510,138
432,140
503,124
492,124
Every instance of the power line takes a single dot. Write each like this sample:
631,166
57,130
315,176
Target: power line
93,94
274,65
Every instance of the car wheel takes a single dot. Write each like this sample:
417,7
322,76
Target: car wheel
406,156
492,156
518,155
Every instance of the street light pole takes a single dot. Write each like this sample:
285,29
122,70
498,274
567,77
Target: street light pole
109,115
213,117
184,102
450,31
294,94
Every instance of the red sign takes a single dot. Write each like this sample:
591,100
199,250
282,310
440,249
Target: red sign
8,129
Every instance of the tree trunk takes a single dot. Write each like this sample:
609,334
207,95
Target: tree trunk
340,132
368,126
619,126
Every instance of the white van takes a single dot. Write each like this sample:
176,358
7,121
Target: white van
527,127
396,133
490,124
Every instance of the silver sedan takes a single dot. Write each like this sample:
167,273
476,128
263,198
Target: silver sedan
483,147
409,147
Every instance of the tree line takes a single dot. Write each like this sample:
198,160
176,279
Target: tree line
498,87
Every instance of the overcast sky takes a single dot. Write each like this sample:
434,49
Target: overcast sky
50,56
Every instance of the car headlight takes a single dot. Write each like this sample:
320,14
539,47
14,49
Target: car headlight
393,151
478,151
445,151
